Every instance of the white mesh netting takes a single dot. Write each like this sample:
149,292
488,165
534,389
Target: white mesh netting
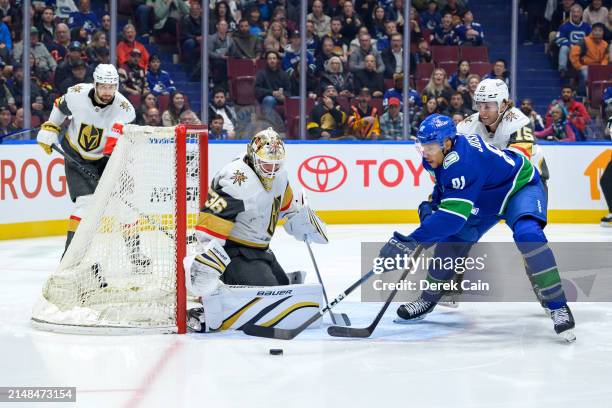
120,271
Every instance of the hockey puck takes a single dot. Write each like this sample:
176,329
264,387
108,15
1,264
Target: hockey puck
276,352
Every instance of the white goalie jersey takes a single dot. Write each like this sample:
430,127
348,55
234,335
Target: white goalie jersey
240,209
91,123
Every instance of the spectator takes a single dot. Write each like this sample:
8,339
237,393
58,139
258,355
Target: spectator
319,18
40,97
576,112
593,50
64,70
431,18
6,126
499,72
132,78
6,96
456,106
595,13
256,25
98,42
8,14
444,34
78,76
168,13
340,42
458,80
127,44
149,100
363,121
191,34
216,131
354,44
272,84
470,32
559,128
559,17
6,43
245,45
609,26
422,54
313,43
59,48
18,124
607,99
280,14
79,34
293,53
325,53
84,18
276,38
571,33
468,94
385,40
535,120
457,118
158,80
101,56
143,10
219,107
370,78
357,59
42,58
46,27
537,24
438,88
395,12
106,25
431,107
455,10
414,100
392,122
152,117
312,81
365,9
177,105
377,23
416,34
327,119
334,75
351,21
393,56
189,117
222,12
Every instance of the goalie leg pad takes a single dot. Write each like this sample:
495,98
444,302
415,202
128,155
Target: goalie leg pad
203,271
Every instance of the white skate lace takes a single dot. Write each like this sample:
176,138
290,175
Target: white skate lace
416,308
560,316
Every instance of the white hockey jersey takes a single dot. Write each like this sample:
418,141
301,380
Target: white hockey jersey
240,209
91,123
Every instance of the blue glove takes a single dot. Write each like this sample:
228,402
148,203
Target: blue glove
426,208
398,244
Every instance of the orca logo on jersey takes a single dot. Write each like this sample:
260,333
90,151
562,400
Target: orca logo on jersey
322,174
90,137
450,158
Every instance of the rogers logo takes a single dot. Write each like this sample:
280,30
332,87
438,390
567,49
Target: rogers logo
322,174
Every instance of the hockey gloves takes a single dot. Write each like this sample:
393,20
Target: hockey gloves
426,208
47,136
398,246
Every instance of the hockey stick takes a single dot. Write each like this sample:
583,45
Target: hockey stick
95,178
19,132
363,332
335,317
288,334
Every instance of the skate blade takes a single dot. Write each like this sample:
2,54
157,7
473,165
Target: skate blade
606,224
568,336
452,304
399,320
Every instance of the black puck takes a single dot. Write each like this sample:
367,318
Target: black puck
276,352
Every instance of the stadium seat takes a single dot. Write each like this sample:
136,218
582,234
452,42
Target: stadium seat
474,54
389,83
421,84
445,53
260,64
599,72
135,100
163,101
424,70
378,104
238,67
244,90
35,121
292,107
596,89
449,67
345,103
480,68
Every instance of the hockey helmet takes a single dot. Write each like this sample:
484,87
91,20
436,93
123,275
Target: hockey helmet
106,74
492,90
436,128
266,153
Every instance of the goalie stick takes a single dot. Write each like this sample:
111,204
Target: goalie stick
363,332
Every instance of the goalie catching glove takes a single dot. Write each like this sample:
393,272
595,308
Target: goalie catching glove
48,136
203,271
305,225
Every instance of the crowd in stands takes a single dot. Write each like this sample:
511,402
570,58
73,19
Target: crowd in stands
354,69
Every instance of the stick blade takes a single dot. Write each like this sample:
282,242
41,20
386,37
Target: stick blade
342,331
268,332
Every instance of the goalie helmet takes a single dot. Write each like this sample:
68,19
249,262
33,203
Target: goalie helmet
106,74
266,153
492,90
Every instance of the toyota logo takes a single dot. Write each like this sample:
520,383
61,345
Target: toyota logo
322,173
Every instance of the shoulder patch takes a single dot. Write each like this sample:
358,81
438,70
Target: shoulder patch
125,106
75,89
450,158
239,177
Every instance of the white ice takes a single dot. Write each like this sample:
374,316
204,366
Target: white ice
479,355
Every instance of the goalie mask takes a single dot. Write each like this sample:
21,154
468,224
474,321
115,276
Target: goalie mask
266,153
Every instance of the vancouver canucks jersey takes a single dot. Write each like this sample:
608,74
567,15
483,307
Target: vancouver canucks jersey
475,178
240,209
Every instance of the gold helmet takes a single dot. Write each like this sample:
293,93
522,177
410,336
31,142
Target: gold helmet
266,153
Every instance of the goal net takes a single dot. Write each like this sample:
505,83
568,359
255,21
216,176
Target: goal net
123,269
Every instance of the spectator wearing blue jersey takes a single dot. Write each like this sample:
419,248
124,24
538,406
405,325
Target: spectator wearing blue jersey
84,18
445,34
5,37
384,41
470,32
216,130
431,17
414,99
158,80
571,33
292,54
607,98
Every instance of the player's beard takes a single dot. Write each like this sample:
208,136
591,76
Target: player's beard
105,100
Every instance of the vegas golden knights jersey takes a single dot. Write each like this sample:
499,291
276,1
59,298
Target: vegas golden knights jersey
240,209
91,123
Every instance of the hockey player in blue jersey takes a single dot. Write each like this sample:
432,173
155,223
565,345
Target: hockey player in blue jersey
476,186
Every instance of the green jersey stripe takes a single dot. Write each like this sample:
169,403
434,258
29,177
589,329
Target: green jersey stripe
460,207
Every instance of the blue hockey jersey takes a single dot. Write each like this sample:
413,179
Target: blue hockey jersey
475,178
572,34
